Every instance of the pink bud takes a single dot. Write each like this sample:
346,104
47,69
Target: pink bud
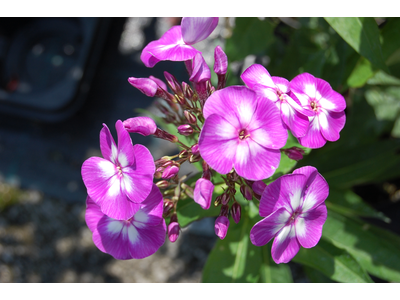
162,134
185,129
170,171
203,192
221,226
142,125
195,149
236,210
201,71
187,90
221,61
191,118
173,83
168,207
225,198
159,82
163,184
294,153
194,158
173,231
146,85
259,187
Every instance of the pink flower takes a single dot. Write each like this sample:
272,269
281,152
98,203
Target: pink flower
277,89
328,107
120,181
137,237
176,43
241,131
294,211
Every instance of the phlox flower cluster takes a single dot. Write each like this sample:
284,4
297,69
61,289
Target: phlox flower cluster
238,132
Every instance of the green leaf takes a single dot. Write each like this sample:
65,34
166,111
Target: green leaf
381,78
250,36
316,276
362,72
385,101
350,204
236,259
333,262
363,35
377,253
389,36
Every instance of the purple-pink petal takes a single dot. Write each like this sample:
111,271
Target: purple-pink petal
282,84
266,229
147,58
195,29
259,187
125,156
309,226
295,121
221,61
257,74
107,144
142,125
254,162
218,143
151,209
333,101
285,245
203,192
286,191
313,138
331,123
159,82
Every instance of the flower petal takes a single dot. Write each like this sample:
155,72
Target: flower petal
285,245
126,156
108,147
236,104
203,192
195,30
265,230
281,83
313,138
171,47
221,226
147,58
304,86
295,121
200,71
218,143
151,209
145,85
254,162
333,102
285,192
142,125
309,226
331,124
257,74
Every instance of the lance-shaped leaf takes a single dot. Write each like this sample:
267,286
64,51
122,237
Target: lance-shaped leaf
363,35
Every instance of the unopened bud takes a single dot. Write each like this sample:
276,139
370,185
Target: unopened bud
173,229
187,190
142,125
170,171
191,118
187,90
168,207
221,226
161,161
224,210
259,187
157,175
217,201
162,184
225,198
236,210
195,149
173,83
194,158
183,154
185,130
294,153
162,134
246,192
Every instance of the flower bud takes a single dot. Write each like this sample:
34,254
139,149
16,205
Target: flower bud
159,82
203,192
246,192
162,184
170,171
217,201
146,85
294,153
221,226
187,90
224,210
206,170
221,61
236,210
183,154
188,190
168,207
185,130
195,149
194,158
173,83
191,118
173,229
225,198
201,71
157,174
142,125
259,187
162,134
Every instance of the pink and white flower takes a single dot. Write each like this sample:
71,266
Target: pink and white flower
277,89
120,181
294,212
241,131
139,236
327,105
176,43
